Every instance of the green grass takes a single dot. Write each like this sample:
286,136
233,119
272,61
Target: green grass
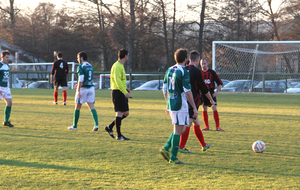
41,153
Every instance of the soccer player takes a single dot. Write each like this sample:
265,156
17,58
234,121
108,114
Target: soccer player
209,77
120,94
85,92
177,93
59,77
4,87
197,86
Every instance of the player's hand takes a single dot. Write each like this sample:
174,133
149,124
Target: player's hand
75,86
195,113
213,103
215,94
127,95
128,90
167,112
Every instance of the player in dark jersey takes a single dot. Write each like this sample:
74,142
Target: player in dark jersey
59,77
198,86
209,77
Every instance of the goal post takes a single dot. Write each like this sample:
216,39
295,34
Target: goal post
256,60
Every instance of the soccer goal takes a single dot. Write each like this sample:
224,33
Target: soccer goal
256,60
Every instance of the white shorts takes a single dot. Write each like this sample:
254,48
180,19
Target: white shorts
5,92
87,95
179,118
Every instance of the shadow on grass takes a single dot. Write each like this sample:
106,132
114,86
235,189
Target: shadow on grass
43,166
32,136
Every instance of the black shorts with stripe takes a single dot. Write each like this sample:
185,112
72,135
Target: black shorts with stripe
120,101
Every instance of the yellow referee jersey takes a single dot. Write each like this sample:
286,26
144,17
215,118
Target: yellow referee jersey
118,77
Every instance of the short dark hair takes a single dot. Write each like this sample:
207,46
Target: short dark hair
122,53
83,55
180,55
59,54
4,53
194,55
203,59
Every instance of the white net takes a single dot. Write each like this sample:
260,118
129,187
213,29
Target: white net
257,60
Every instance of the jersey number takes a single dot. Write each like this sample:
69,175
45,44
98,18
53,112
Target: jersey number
61,65
90,75
172,83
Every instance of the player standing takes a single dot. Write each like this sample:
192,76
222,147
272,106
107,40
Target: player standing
59,77
197,86
4,87
85,92
177,93
209,77
119,93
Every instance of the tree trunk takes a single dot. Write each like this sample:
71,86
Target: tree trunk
201,29
131,36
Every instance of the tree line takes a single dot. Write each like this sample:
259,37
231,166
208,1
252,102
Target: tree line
150,29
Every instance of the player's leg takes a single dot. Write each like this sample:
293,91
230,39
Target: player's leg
199,134
205,118
184,137
76,116
64,85
178,130
120,115
90,99
7,110
216,118
55,94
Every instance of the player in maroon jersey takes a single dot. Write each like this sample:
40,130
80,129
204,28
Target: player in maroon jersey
209,77
59,77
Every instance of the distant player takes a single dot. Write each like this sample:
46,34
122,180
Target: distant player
198,87
209,76
59,77
4,87
177,93
85,92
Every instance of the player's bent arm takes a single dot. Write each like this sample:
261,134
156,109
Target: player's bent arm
165,91
218,90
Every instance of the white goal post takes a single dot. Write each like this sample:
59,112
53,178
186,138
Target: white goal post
256,60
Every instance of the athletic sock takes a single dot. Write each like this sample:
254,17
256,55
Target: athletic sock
7,111
112,124
216,117
199,135
205,119
118,125
169,143
76,118
55,95
64,96
184,137
175,146
95,117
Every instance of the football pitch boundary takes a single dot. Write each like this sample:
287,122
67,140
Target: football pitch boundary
41,153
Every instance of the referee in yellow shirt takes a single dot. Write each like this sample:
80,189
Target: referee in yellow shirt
120,94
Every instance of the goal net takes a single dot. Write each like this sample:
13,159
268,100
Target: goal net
257,60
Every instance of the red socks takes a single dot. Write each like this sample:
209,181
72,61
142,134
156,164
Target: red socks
199,135
64,96
216,117
205,118
184,138
55,96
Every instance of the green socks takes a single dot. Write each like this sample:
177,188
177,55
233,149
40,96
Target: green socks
169,143
76,118
95,117
7,111
175,147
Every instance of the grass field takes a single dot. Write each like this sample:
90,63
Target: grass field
41,153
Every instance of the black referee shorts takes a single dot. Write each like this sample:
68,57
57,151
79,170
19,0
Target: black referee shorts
61,82
120,101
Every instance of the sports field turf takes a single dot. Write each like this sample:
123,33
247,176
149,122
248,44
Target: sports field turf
41,153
